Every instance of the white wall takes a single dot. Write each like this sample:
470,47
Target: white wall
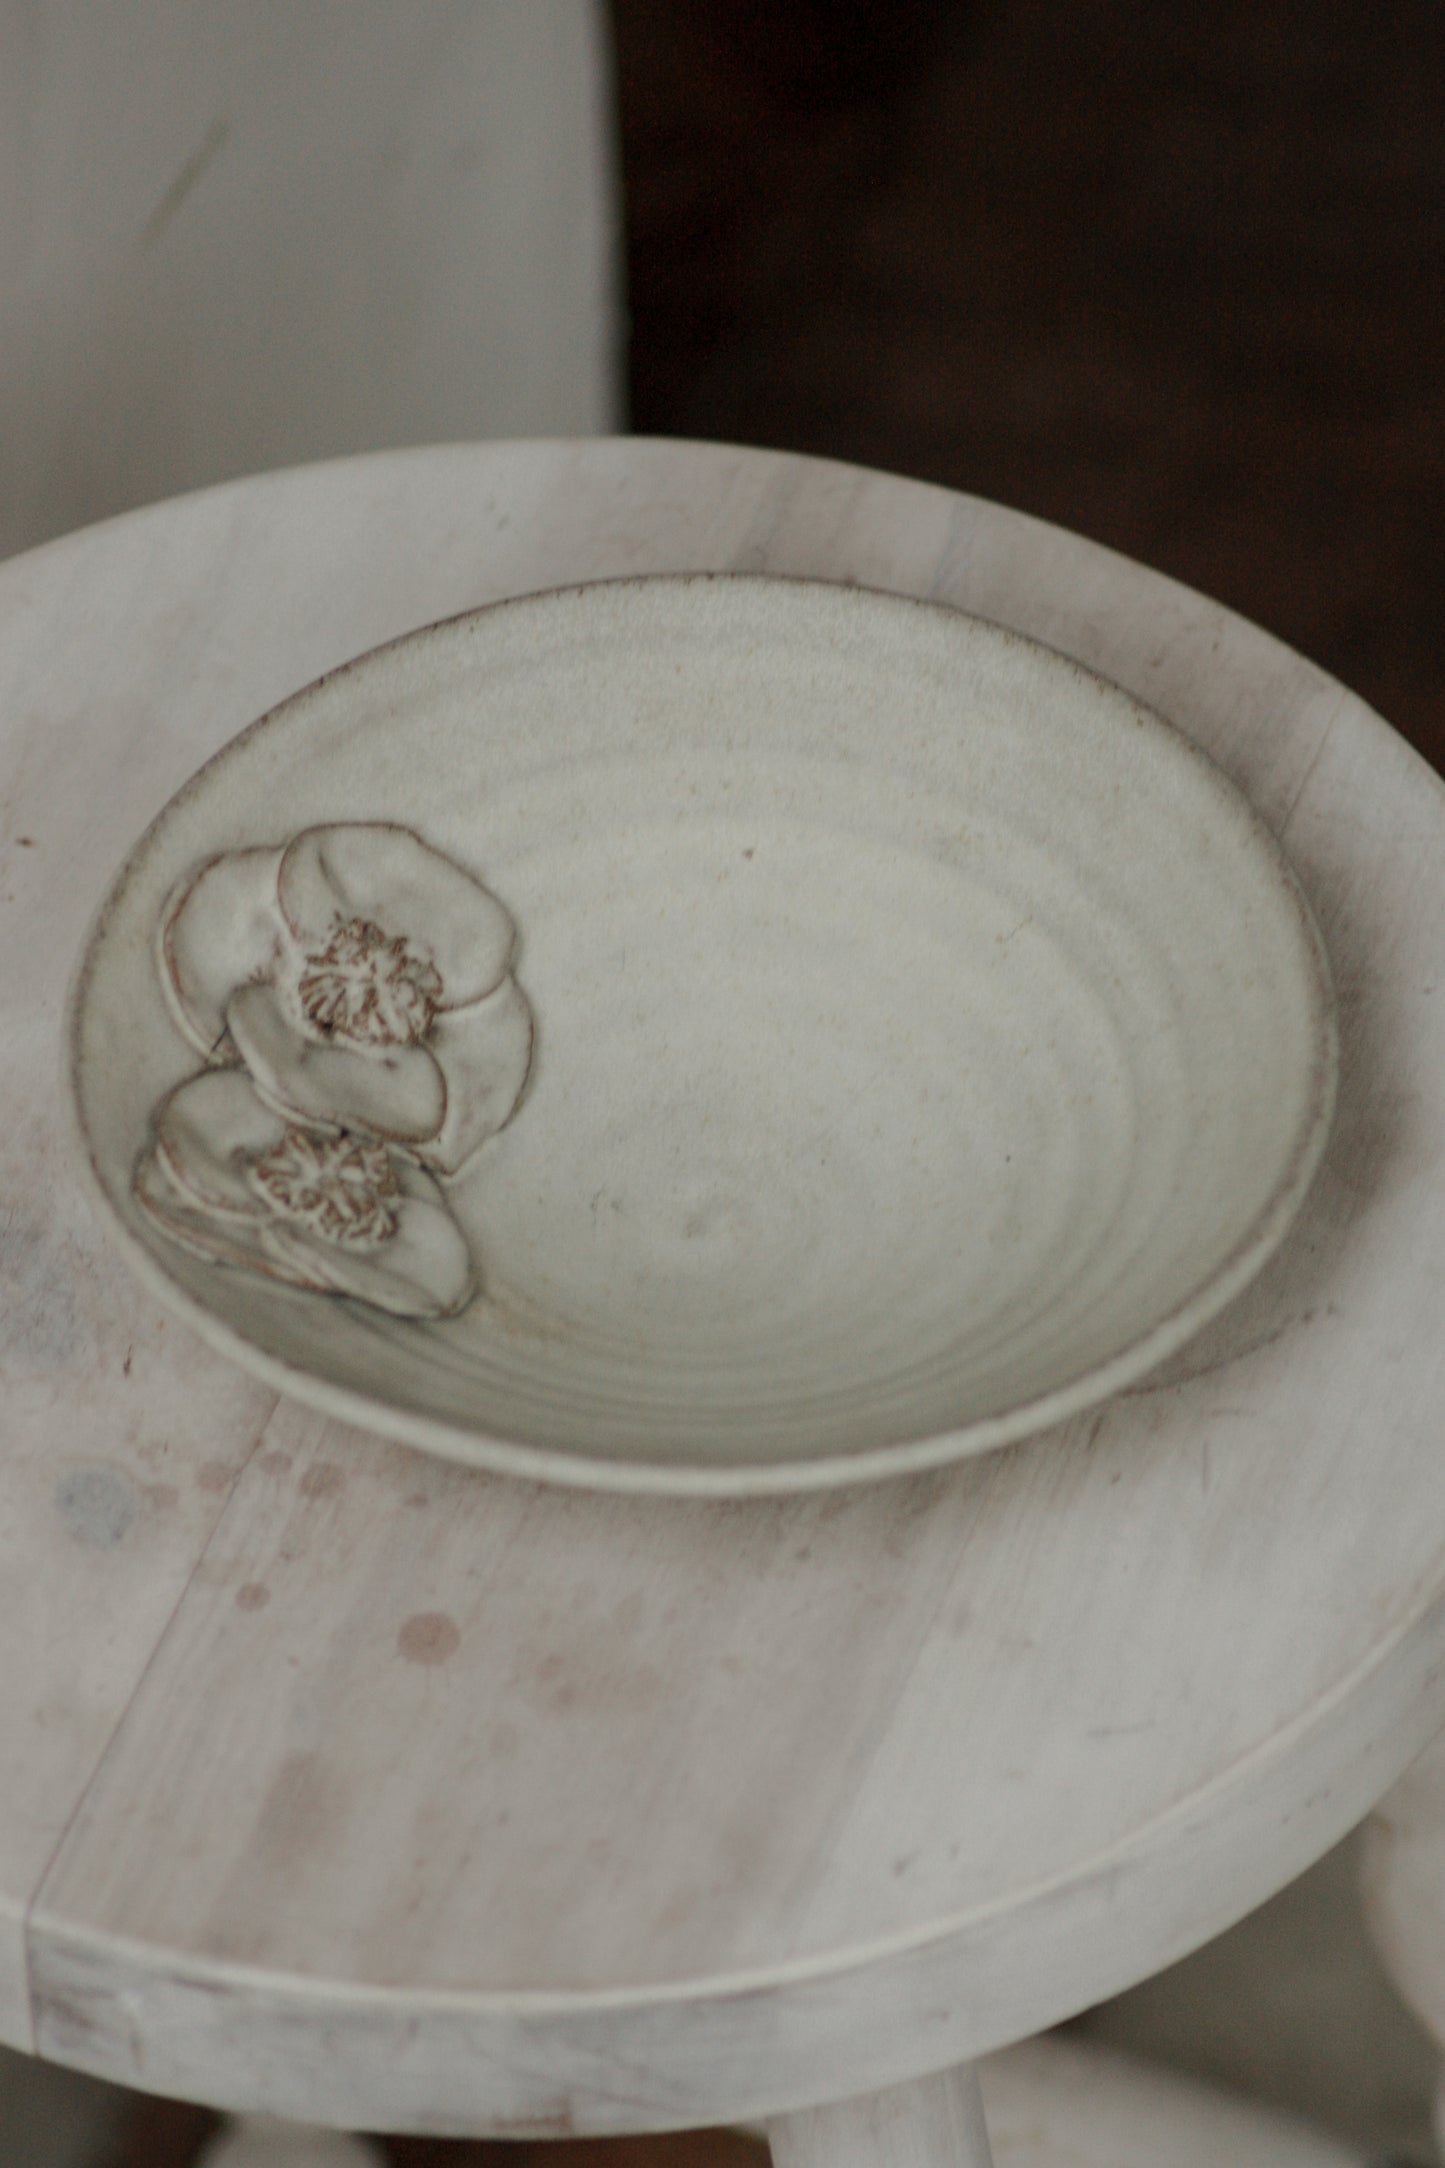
239,233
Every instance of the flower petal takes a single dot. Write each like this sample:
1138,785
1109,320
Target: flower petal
395,1092
424,1270
219,1240
484,1051
220,927
208,1133
374,871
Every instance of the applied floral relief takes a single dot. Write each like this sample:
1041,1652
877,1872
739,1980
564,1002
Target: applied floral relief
352,996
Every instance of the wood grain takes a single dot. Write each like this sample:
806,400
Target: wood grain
935,2122
1402,1865
1051,2103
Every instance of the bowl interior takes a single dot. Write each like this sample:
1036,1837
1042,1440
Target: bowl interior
927,1038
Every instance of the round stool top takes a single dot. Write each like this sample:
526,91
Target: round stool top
346,1783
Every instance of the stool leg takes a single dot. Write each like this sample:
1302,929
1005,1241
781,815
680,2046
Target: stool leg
260,2141
1402,1868
931,2123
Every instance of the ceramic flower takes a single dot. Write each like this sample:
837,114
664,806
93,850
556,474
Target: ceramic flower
363,980
235,1182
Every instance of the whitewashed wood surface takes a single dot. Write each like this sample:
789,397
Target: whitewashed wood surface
356,1787
1056,2103
933,2122
1403,1887
1050,2103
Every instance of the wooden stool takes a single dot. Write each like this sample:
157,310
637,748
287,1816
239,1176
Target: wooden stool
1049,2103
1403,1872
1057,2104
346,1785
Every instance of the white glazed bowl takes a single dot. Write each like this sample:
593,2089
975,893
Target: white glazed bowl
928,1038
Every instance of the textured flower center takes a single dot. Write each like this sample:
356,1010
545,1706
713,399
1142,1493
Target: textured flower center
341,1188
365,986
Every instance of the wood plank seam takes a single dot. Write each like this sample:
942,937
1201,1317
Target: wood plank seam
78,1803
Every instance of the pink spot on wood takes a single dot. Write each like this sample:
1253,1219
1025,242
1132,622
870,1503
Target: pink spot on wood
322,1481
428,1637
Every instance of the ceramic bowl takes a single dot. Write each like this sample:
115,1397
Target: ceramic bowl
704,1034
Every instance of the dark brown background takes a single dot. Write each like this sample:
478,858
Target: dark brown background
1170,275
